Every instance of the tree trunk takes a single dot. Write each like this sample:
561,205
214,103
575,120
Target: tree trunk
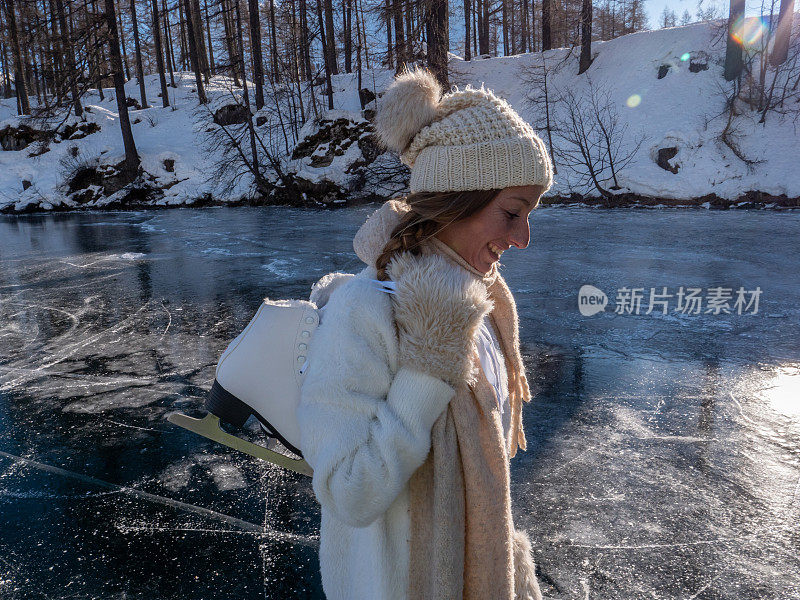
484,44
467,30
254,160
297,57
130,167
159,57
19,67
436,27
331,40
389,53
477,27
586,36
780,51
168,41
513,34
255,45
210,43
192,35
358,57
408,11
348,35
304,43
122,45
547,43
138,49
523,42
363,32
326,55
184,43
200,42
733,51
230,41
4,65
38,52
58,55
275,74
506,46
91,18
399,38
72,71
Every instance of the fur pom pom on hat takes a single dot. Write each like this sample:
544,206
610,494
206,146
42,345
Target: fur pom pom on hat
409,103
466,140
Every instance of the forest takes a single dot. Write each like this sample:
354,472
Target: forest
57,53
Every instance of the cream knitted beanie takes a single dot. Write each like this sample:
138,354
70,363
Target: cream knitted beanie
468,140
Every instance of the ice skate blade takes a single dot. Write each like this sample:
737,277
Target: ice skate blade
209,427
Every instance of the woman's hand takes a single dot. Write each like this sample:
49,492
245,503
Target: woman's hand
438,308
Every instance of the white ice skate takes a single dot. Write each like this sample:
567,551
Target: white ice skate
260,374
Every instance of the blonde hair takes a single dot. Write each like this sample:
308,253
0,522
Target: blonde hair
429,213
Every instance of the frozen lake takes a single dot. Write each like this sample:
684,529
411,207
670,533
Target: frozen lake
663,453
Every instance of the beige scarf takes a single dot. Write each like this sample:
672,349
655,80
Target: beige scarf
462,543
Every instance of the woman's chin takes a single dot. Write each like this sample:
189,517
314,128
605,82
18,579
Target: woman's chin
485,266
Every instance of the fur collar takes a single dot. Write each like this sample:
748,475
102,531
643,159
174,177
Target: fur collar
371,238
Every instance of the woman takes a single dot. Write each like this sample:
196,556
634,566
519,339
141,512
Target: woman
411,406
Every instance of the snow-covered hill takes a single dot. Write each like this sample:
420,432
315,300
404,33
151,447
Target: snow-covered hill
666,87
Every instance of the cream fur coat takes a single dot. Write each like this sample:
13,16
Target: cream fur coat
365,427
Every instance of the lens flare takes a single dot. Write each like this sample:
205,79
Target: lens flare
747,31
633,101
685,56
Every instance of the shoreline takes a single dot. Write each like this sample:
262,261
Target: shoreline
748,201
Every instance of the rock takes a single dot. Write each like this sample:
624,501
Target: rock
230,114
366,95
169,165
77,131
698,62
662,71
19,138
664,156
83,178
333,159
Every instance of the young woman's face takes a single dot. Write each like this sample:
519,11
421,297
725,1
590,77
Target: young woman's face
481,238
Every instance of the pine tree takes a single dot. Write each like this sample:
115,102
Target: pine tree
780,50
733,51
130,167
255,45
138,50
159,57
586,36
19,65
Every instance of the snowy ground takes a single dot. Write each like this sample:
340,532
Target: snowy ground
663,459
681,110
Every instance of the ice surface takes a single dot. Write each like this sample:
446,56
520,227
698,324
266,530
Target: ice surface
663,457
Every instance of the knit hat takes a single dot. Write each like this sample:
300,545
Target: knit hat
468,140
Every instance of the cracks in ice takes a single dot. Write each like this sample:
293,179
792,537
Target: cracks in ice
169,315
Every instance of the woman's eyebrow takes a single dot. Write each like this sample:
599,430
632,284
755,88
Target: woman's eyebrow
523,200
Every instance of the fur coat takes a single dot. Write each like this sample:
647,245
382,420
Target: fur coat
365,425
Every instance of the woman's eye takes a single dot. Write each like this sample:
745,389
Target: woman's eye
512,215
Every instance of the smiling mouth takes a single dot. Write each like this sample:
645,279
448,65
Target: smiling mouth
493,252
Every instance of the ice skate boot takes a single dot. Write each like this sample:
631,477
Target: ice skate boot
260,374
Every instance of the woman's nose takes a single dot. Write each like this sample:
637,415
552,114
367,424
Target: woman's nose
521,236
